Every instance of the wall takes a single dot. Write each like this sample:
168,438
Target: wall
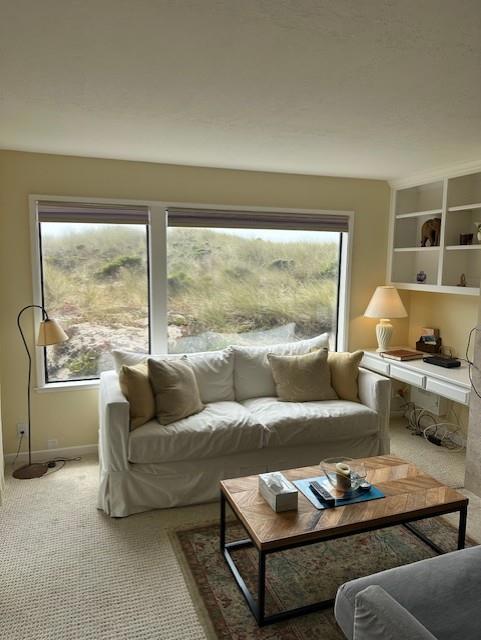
71,416
453,315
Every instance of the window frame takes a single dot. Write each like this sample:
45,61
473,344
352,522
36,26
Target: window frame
157,272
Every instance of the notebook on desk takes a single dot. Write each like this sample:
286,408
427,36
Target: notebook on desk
403,354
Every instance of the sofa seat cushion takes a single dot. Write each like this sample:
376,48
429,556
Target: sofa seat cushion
220,429
296,423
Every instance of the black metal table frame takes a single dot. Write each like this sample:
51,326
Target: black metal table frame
257,607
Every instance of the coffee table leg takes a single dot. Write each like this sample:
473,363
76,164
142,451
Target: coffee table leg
222,522
261,589
463,516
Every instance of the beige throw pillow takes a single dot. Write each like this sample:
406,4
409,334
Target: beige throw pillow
135,384
302,378
175,390
344,374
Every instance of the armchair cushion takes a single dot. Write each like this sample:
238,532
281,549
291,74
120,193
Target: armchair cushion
378,616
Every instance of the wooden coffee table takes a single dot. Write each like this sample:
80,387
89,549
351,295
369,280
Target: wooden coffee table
410,495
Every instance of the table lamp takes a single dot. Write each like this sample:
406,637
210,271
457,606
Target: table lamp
385,304
49,332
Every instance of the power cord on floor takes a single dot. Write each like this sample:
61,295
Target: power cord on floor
439,433
18,449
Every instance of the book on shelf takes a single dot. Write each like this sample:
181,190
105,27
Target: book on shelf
403,354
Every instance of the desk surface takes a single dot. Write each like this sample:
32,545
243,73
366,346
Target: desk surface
458,376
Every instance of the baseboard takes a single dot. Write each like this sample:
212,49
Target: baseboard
49,454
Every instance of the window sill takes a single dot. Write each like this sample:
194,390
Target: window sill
68,386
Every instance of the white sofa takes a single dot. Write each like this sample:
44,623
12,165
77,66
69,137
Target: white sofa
244,429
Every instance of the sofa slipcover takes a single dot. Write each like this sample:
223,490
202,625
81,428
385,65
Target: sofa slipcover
220,429
295,423
158,467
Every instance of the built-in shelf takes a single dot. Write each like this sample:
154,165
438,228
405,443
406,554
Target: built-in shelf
422,249
462,247
464,207
436,288
442,267
417,214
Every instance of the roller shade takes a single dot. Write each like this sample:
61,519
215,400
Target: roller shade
184,217
91,213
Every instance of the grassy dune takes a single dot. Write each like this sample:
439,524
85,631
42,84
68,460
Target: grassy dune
95,282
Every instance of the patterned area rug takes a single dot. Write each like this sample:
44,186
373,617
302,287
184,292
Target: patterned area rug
294,578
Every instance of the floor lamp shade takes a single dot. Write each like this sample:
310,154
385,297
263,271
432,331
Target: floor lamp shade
50,332
385,304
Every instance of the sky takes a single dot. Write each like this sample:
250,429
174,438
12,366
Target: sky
59,229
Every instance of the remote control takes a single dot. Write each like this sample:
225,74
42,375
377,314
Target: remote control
322,493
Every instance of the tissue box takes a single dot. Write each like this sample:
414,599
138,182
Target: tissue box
284,499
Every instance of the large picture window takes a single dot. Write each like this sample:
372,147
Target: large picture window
163,278
250,286
95,282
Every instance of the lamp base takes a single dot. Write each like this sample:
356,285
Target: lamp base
30,471
383,334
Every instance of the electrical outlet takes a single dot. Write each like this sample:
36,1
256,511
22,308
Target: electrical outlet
52,444
21,429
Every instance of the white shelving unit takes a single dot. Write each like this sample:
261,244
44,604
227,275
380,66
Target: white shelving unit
456,202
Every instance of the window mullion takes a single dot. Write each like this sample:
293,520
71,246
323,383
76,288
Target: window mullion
158,279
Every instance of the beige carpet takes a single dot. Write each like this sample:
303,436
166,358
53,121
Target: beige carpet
447,466
70,572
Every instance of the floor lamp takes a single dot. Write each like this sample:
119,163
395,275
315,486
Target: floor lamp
49,333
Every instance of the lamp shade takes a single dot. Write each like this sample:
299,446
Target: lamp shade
50,332
386,303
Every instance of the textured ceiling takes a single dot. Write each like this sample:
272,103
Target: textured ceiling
371,88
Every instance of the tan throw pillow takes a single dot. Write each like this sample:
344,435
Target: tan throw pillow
344,374
302,378
175,390
135,384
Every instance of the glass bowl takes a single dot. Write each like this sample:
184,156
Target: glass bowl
345,475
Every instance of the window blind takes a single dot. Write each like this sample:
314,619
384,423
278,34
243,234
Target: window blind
190,217
91,213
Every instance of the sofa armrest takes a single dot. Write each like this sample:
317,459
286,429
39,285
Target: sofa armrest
114,411
378,616
375,393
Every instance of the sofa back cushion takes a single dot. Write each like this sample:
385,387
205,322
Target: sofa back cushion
175,390
213,370
252,372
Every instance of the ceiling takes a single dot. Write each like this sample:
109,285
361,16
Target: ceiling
368,88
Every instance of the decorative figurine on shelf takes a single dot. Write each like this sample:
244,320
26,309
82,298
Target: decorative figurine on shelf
421,277
430,232
478,230
465,238
462,281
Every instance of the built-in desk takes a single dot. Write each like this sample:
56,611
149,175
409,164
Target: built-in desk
449,383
